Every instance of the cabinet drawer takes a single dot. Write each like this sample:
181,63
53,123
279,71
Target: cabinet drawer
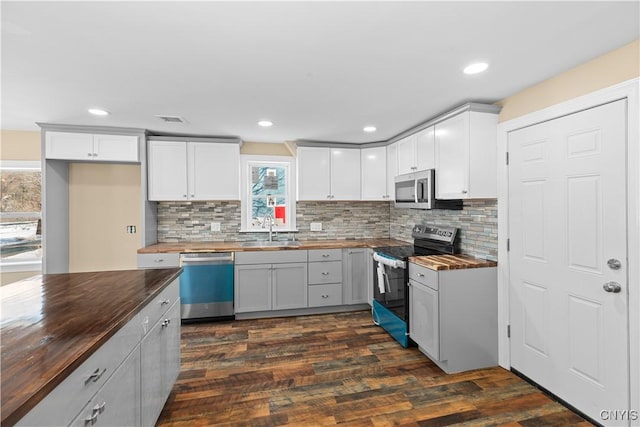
423,275
325,272
325,255
324,295
158,260
67,400
270,257
159,306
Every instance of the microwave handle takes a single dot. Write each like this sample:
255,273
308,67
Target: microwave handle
415,191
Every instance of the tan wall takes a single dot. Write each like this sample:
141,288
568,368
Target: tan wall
265,149
617,66
19,145
6,278
103,200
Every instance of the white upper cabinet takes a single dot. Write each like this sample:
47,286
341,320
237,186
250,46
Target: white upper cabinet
465,147
374,173
416,151
91,147
328,173
181,170
392,170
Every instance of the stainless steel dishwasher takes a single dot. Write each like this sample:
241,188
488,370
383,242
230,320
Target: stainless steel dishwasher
206,286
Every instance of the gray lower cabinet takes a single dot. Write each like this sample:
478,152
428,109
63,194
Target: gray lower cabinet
117,402
453,316
273,285
127,380
160,351
325,277
356,263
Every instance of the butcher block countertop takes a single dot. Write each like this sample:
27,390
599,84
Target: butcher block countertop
237,246
52,323
451,262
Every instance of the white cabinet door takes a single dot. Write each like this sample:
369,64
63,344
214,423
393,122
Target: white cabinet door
452,157
69,146
167,170
289,286
252,290
313,173
213,171
424,320
392,170
374,173
117,402
425,148
407,161
112,148
345,174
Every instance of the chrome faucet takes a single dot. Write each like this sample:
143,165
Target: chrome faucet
271,221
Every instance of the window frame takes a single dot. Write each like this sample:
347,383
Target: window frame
246,162
24,264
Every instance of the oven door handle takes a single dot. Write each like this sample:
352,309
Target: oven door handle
393,263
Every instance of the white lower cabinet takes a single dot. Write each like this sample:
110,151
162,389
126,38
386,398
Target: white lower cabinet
160,351
267,281
453,316
117,402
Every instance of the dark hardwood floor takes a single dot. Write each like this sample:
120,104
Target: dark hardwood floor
338,369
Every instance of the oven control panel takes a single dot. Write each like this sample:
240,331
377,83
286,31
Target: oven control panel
432,232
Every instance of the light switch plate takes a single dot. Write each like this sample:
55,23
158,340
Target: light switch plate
316,226
215,226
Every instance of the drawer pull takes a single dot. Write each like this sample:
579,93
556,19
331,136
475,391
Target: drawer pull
325,273
164,302
325,296
158,260
166,322
325,255
91,420
95,376
420,275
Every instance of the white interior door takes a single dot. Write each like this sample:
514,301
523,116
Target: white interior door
567,218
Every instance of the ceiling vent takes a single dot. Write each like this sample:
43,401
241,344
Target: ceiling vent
171,119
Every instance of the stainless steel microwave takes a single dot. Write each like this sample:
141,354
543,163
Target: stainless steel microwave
415,190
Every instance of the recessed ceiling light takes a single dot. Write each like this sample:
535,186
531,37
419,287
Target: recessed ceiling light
369,128
265,123
475,68
98,112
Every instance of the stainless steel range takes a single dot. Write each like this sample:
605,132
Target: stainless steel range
391,276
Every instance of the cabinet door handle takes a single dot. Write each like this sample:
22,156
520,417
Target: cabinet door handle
325,273
184,196
325,296
193,195
91,420
95,376
166,322
464,191
101,407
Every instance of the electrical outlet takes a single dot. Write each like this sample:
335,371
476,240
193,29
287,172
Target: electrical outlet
215,226
316,226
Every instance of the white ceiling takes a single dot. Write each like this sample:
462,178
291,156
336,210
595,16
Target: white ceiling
318,70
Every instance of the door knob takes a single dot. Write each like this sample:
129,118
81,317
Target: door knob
614,264
612,287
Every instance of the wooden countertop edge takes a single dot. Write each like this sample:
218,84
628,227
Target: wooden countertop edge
11,416
236,246
463,262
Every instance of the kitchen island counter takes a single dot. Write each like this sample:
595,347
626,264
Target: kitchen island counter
237,246
52,323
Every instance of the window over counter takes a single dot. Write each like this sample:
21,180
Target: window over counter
268,193
20,216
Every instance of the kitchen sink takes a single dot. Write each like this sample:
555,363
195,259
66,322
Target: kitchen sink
269,244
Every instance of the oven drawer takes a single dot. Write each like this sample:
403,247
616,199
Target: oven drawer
325,295
423,275
325,272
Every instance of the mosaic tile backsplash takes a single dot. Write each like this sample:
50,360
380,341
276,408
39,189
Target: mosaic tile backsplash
477,221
